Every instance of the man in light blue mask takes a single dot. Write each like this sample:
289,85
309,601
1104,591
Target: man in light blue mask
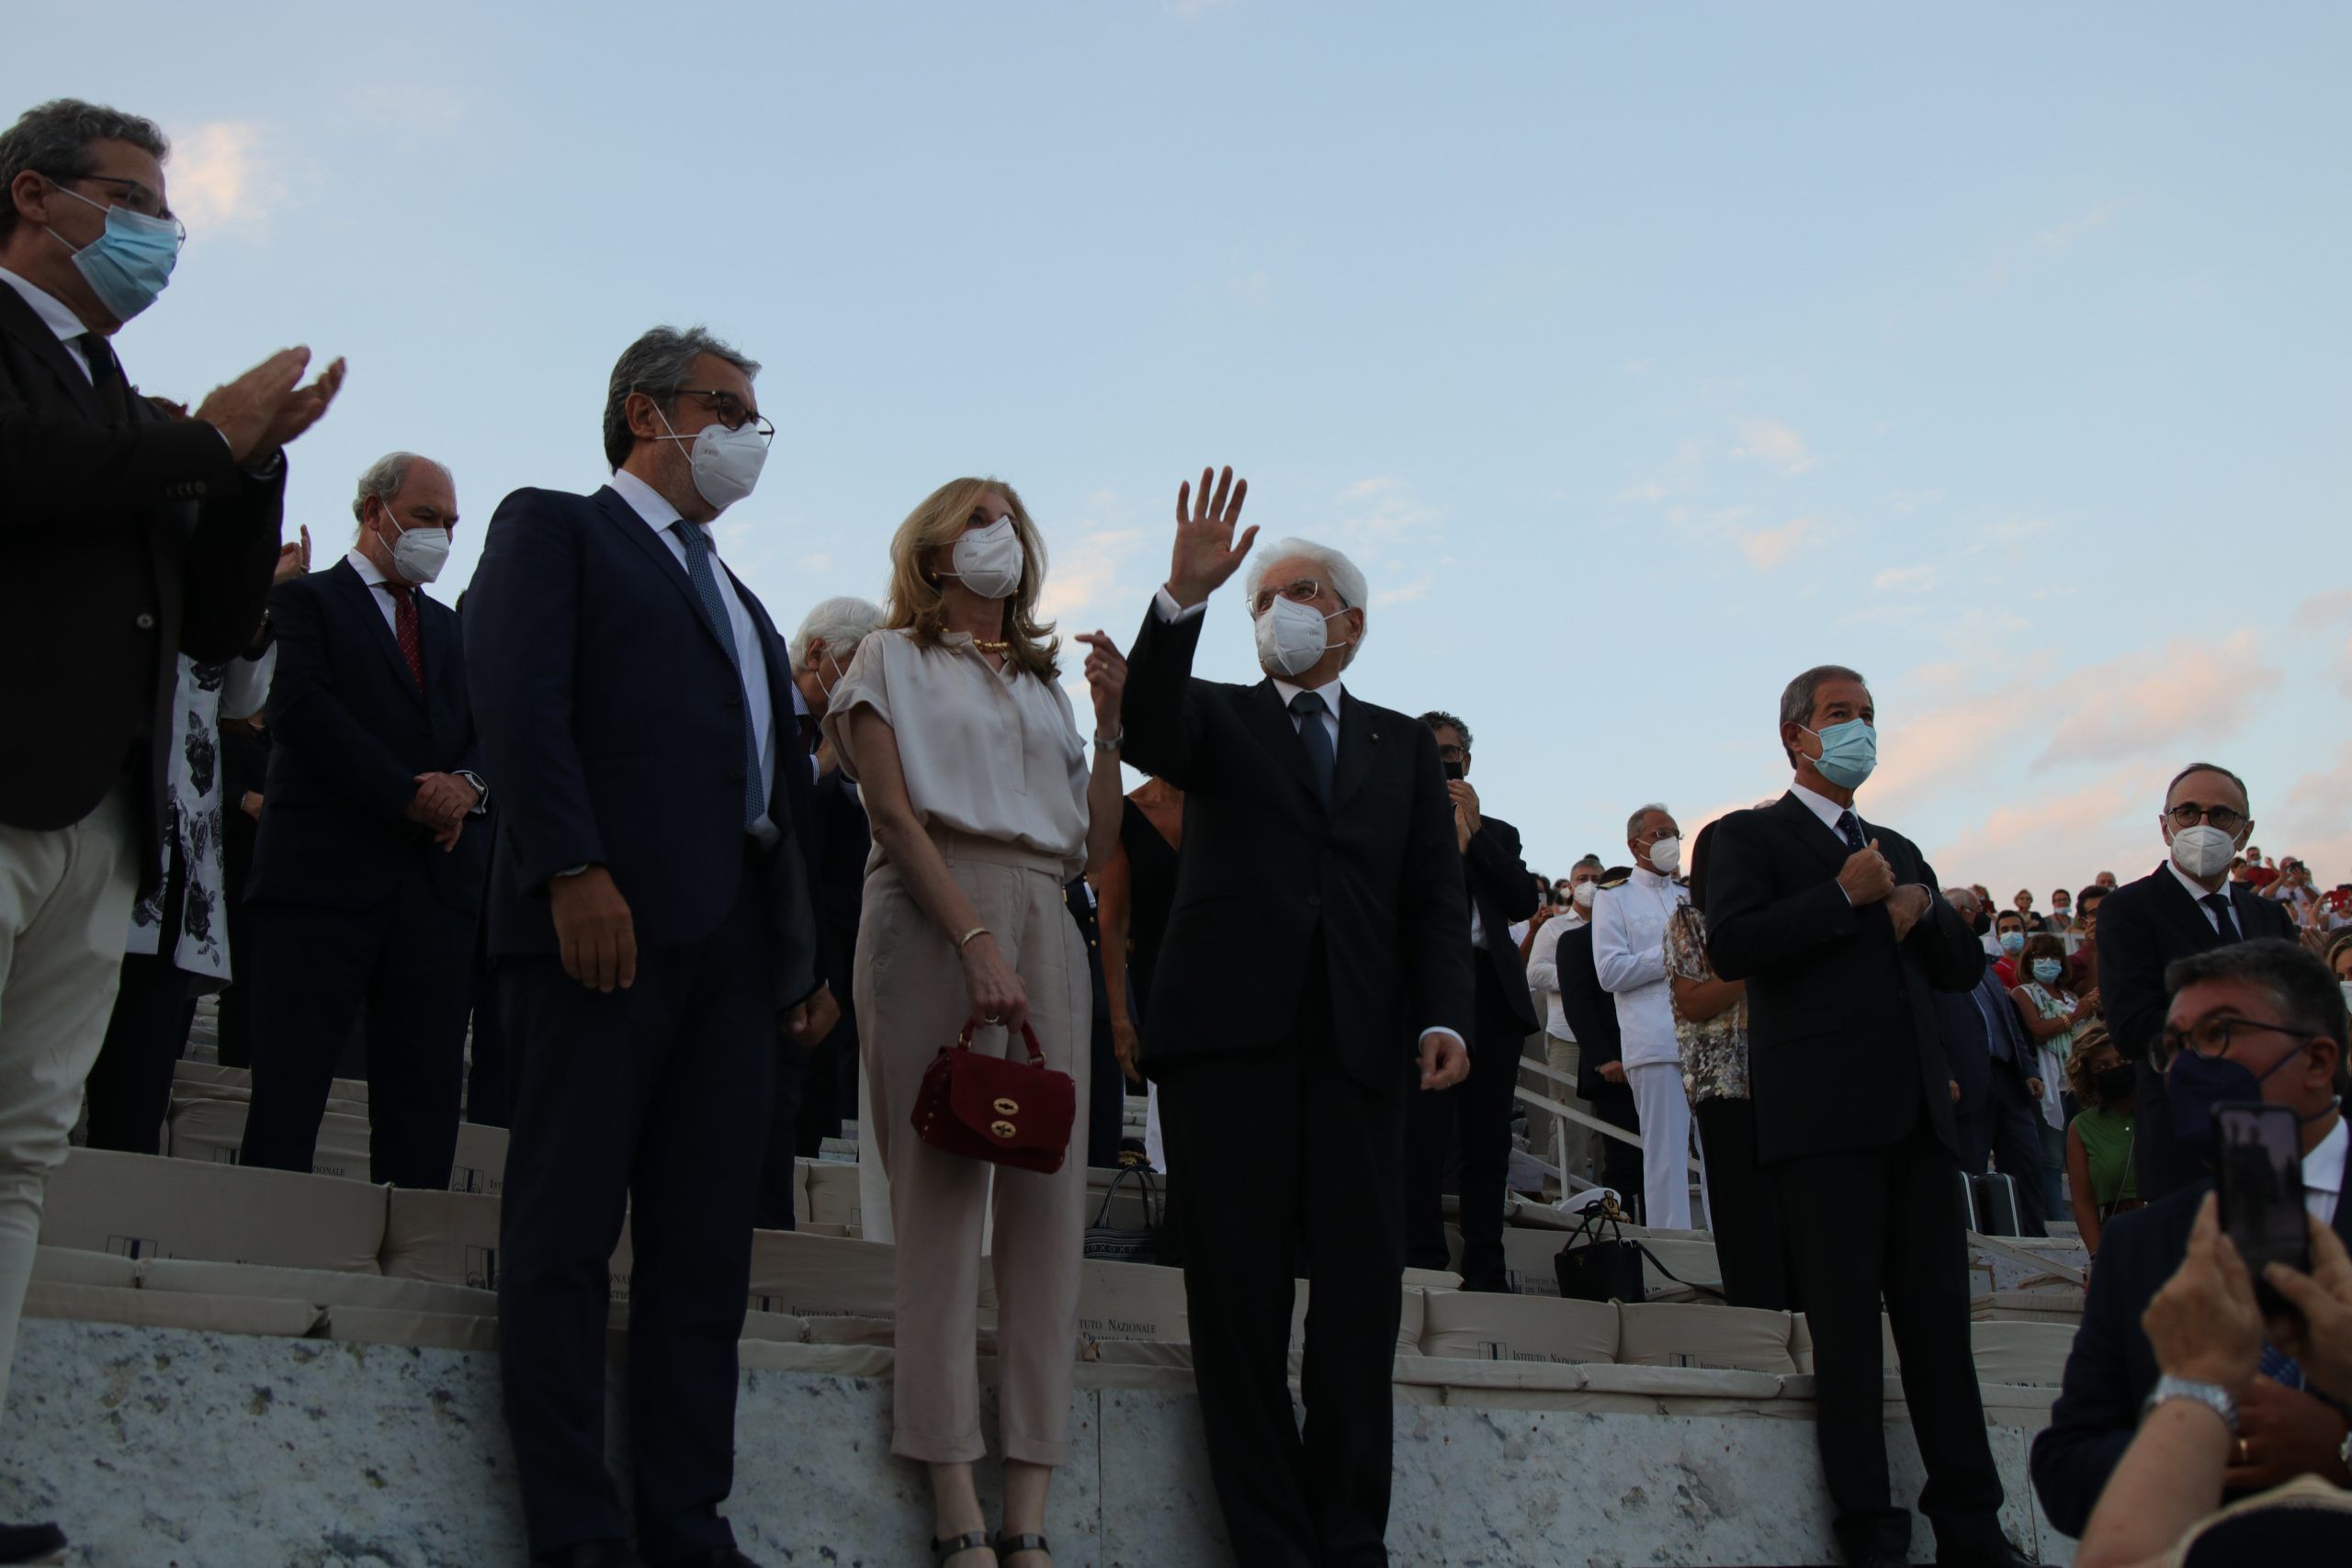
138,534
1834,922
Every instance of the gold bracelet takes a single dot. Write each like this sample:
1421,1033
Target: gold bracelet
966,939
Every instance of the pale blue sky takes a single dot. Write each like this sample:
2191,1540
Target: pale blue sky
1642,356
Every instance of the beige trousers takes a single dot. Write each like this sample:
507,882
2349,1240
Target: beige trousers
1563,1056
65,898
910,1002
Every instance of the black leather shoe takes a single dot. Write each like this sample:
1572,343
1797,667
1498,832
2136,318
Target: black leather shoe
30,1543
590,1555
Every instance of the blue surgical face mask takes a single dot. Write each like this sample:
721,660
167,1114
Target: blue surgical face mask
2013,942
2047,970
129,265
1848,752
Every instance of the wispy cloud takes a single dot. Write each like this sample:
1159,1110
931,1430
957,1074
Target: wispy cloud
1769,440
1766,550
224,179
1084,572
1905,579
2063,237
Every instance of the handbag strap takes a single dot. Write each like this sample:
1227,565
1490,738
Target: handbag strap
1151,1205
1036,1052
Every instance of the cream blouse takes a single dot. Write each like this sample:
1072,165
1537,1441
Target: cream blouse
997,755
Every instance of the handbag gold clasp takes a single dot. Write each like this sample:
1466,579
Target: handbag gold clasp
1003,1129
1008,1108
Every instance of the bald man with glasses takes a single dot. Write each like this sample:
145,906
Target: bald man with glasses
2187,906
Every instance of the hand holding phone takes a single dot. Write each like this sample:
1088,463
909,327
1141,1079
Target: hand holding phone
2259,1179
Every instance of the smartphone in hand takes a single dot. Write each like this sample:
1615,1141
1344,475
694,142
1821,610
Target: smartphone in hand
2259,1176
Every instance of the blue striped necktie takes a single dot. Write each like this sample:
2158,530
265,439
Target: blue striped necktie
714,610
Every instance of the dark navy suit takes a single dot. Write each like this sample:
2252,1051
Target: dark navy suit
351,904
613,716
1999,1122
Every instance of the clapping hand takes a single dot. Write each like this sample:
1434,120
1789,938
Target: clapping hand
1466,808
245,410
1106,679
293,559
300,411
1205,553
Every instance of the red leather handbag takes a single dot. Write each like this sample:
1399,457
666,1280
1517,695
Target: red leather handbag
996,1108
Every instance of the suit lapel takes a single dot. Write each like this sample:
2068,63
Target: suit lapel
17,320
435,625
1262,711
639,533
2184,913
1358,744
1811,831
360,601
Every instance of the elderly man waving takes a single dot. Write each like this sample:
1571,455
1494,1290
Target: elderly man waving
1323,939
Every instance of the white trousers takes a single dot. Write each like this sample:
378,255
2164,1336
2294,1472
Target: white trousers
1664,1116
65,898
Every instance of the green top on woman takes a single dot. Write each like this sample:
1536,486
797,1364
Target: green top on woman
2107,1140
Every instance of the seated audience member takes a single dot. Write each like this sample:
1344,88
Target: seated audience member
2061,918
2051,1014
2205,1332
2098,1140
2259,1019
2023,905
2105,880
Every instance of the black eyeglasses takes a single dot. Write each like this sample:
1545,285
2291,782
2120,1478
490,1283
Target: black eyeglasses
727,410
1453,753
2210,1037
2188,814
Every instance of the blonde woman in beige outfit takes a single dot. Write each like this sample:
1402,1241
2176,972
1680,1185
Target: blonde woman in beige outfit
984,801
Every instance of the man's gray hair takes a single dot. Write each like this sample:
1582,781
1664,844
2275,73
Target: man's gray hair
1633,823
843,623
383,480
1797,696
656,365
54,138
1963,899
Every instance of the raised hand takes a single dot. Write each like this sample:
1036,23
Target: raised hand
1106,679
245,411
293,559
1205,553
300,411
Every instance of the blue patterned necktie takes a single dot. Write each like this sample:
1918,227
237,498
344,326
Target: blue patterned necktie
1850,827
714,610
1309,707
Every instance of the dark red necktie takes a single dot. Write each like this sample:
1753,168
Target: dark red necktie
404,629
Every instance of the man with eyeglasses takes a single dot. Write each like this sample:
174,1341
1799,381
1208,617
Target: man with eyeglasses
1473,1121
2187,906
651,913
2259,1019
137,534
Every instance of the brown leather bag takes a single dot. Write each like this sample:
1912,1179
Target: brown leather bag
996,1108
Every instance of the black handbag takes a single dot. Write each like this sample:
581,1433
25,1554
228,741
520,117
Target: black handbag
1596,1267
1591,1269
1106,1242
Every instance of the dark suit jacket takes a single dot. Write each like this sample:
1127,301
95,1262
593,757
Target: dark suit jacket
845,839
2111,1368
349,732
2143,927
1500,887
612,717
1983,1039
1842,1042
128,544
1265,868
1591,1014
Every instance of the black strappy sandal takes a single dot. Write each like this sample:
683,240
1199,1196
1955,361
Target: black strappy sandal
1006,1543
970,1540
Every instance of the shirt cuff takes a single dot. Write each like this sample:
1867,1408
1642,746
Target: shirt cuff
1441,1029
1164,603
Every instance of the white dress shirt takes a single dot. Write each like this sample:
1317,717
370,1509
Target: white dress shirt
750,658
1543,971
54,313
1164,605
1629,954
2200,892
1828,810
379,589
2323,1173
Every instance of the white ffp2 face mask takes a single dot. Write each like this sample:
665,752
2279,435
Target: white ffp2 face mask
989,560
2203,851
1292,636
418,553
725,463
1666,856
1582,895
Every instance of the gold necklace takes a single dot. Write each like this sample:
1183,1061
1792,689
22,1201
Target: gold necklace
1005,646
